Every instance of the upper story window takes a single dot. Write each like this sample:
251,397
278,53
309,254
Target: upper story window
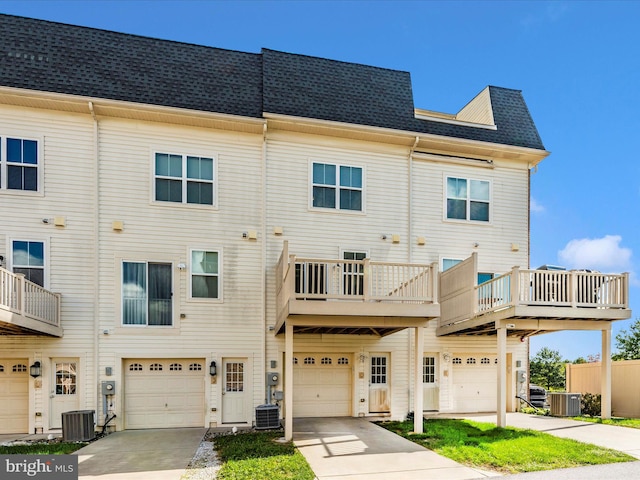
28,259
184,179
205,274
147,294
337,186
19,165
468,199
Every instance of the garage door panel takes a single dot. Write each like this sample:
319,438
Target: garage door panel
164,393
324,387
474,383
14,396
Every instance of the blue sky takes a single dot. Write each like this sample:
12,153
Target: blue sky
577,64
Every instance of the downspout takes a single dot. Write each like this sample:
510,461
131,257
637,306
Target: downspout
96,256
263,269
410,258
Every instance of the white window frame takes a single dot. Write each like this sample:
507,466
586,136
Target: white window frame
4,165
174,301
220,275
45,247
468,219
184,179
337,188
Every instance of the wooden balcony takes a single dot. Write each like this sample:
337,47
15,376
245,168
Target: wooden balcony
528,302
360,297
27,308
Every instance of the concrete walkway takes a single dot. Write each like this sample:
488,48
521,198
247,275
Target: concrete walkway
356,449
623,439
161,454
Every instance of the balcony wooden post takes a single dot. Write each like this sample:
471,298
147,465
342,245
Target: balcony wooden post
515,287
501,420
58,309
433,280
418,393
21,289
366,279
573,289
605,374
288,382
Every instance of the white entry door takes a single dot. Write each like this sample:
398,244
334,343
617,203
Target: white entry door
379,393
234,390
430,386
64,391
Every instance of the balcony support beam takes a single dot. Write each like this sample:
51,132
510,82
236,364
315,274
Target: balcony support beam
288,383
501,407
418,392
605,374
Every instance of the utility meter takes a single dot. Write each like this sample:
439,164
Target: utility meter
272,378
109,387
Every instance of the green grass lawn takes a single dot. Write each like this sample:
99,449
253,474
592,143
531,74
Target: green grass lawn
257,456
42,448
507,450
619,422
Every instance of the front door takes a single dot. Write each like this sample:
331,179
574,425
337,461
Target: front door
64,391
431,391
379,397
234,390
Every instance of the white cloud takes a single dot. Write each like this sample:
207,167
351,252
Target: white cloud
536,207
604,254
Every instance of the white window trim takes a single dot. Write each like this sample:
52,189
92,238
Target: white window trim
189,273
45,241
184,153
4,170
337,209
174,297
467,220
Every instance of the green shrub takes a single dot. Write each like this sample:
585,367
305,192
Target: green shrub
591,404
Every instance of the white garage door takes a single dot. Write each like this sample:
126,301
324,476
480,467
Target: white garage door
322,385
164,393
474,383
14,396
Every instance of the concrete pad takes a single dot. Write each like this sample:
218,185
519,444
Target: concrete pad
354,448
623,439
161,454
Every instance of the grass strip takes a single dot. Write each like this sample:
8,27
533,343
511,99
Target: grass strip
41,448
618,422
506,450
257,456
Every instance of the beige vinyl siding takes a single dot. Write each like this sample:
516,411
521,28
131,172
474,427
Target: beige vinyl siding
165,232
67,159
478,110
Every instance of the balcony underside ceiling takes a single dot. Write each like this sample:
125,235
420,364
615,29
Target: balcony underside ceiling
12,324
339,325
525,321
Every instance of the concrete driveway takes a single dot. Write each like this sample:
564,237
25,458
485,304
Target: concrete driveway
161,454
354,448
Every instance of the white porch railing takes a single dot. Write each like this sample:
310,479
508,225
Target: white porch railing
354,280
461,299
553,288
25,298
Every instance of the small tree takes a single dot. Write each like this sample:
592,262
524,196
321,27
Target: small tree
547,369
628,343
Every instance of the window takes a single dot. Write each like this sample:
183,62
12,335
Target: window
195,367
19,164
66,380
28,259
325,361
456,361
184,179
485,361
429,370
155,367
175,367
471,361
337,186
135,367
343,361
468,199
205,272
378,370
309,361
146,293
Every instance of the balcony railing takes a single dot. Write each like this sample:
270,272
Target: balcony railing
29,300
462,300
365,280
553,288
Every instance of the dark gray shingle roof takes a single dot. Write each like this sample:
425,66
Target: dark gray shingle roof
54,57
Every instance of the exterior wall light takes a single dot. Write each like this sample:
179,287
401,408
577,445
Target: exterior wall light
35,370
213,369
